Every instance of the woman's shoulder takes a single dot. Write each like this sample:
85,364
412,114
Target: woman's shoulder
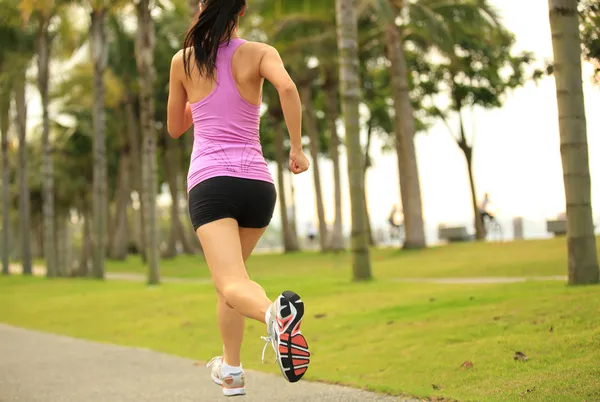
258,47
256,51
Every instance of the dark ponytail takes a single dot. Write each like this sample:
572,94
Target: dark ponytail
214,26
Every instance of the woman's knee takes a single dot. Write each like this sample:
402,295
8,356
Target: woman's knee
228,287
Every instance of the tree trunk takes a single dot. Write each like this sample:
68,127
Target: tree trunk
347,39
581,241
62,246
366,166
43,61
24,201
315,146
479,227
290,238
468,152
58,241
86,245
133,137
119,239
145,43
5,97
292,217
99,56
172,175
336,241
404,127
168,156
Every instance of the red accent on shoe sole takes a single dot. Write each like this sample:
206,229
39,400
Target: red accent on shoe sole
299,362
284,336
283,349
301,371
299,352
300,341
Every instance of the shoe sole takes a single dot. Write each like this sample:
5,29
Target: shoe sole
293,355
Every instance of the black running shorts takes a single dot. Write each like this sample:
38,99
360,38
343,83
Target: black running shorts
249,202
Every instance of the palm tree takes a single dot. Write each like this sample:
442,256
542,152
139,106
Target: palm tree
581,242
44,12
125,68
315,146
289,235
405,147
144,52
331,87
5,92
17,51
24,202
347,31
51,18
99,57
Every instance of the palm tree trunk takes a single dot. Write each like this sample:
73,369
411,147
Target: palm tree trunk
292,215
171,168
366,166
347,39
43,61
311,129
290,238
145,43
581,241
119,238
4,126
24,200
336,241
133,138
86,245
59,246
99,56
404,126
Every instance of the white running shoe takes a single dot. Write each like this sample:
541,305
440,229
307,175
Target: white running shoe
288,342
233,384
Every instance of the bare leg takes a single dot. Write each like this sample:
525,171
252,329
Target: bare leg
222,244
231,323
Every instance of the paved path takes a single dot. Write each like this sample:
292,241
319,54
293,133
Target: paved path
41,271
38,367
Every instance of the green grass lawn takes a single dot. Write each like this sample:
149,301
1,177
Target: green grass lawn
398,338
522,258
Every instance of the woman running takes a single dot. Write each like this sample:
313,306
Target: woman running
216,85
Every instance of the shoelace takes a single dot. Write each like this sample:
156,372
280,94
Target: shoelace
267,340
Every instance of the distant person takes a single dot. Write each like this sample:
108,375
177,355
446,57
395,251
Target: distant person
484,209
216,85
311,232
395,220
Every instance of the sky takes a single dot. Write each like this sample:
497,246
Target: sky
516,155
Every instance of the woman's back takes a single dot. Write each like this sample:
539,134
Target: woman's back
245,60
226,115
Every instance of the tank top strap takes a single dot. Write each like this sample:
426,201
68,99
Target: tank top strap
224,72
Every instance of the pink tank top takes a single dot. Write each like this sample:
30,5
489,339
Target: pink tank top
226,130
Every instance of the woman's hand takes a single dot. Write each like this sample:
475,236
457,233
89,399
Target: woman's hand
298,161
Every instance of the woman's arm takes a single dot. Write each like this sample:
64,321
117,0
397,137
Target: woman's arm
273,69
179,114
